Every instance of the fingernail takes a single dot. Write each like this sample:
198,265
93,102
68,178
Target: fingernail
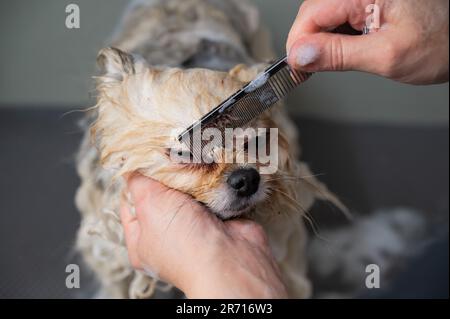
306,54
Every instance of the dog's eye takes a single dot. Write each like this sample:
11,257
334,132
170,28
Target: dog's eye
257,140
180,156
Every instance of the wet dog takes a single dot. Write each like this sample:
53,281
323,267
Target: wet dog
172,62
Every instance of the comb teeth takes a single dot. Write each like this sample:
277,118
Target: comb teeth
245,105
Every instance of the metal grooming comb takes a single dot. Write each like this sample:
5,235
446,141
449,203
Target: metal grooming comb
242,107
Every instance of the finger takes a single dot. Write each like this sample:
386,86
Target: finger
142,188
337,52
324,15
148,192
132,232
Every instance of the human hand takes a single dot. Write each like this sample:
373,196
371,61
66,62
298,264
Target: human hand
177,239
411,45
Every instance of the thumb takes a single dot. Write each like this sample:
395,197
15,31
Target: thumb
336,52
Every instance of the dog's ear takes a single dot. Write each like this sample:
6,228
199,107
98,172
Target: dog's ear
115,64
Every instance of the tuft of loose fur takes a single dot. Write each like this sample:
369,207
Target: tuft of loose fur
386,237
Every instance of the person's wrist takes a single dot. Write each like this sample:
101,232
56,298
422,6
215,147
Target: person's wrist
221,275
199,261
229,281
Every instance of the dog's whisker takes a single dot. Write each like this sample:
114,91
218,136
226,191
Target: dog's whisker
83,110
305,214
293,200
284,177
300,177
315,228
331,198
311,222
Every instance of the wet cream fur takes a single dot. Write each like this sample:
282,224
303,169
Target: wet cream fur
139,109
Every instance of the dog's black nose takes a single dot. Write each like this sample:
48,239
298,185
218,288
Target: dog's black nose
245,181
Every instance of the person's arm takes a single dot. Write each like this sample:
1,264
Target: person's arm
411,45
177,239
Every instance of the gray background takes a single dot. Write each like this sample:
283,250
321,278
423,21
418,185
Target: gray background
44,64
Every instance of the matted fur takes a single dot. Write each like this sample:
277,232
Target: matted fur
140,108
